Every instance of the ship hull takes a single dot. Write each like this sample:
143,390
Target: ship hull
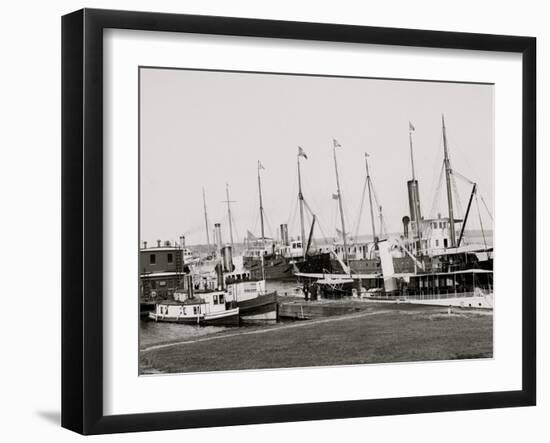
476,299
262,309
226,318
274,267
326,263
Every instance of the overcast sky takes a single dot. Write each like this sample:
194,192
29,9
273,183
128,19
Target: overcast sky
206,129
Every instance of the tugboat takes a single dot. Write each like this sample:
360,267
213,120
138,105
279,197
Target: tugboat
246,289
206,306
430,244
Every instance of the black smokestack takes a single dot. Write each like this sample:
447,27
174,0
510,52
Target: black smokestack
406,220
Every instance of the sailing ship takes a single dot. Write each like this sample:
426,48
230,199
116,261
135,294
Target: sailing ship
243,286
266,258
411,262
457,274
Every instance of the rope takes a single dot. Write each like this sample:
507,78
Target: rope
466,179
481,223
292,218
486,207
361,209
317,221
383,228
437,193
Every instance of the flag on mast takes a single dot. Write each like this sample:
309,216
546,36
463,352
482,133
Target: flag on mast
335,196
411,127
336,144
260,166
301,152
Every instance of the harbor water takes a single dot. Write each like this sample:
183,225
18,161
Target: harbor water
151,333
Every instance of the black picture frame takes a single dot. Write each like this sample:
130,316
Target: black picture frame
82,218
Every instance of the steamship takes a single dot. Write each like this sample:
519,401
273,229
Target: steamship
266,258
245,288
270,260
428,263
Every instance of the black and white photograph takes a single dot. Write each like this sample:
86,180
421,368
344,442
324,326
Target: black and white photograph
299,220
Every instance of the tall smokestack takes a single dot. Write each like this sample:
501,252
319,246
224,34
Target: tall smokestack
414,200
227,259
218,235
414,208
406,220
284,234
190,286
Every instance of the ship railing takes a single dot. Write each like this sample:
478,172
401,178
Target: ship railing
438,296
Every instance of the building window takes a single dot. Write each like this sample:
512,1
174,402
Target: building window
170,257
152,259
436,243
215,299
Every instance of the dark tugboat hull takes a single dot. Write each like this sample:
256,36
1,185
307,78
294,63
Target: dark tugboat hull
262,309
275,268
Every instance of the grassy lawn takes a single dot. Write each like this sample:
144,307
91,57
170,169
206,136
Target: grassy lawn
383,333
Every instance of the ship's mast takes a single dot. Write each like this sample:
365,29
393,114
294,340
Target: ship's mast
412,156
301,201
415,192
206,220
260,166
229,213
448,172
339,193
370,199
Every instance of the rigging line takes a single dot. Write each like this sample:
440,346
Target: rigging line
317,221
436,181
457,196
382,220
266,218
346,215
306,184
293,199
460,209
486,207
481,223
437,194
256,223
235,227
292,221
377,218
361,208
466,179
334,219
